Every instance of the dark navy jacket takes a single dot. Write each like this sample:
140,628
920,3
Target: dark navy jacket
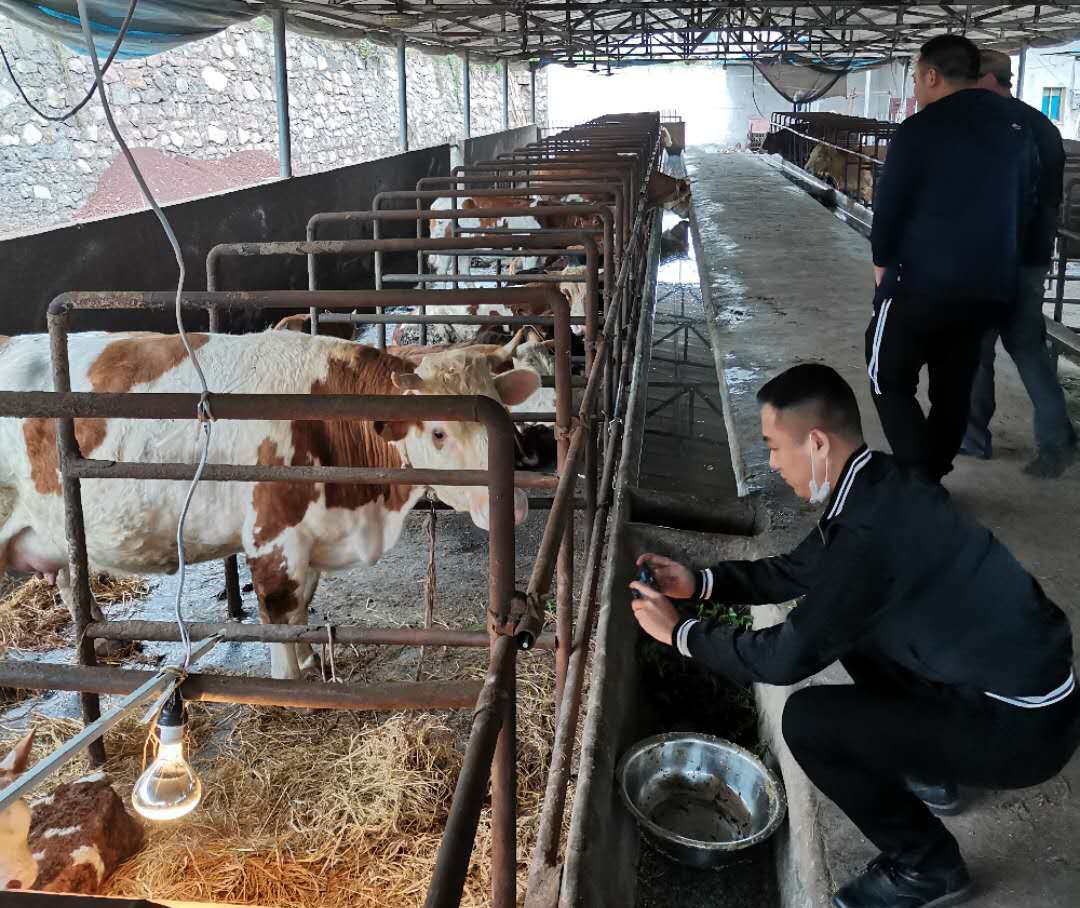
895,572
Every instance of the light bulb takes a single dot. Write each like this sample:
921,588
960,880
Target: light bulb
168,788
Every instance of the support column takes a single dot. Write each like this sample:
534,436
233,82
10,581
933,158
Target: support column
532,91
506,93
281,93
866,97
1019,90
403,100
465,91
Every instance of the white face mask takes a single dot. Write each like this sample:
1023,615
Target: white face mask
819,494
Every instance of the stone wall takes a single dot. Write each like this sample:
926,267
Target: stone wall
213,100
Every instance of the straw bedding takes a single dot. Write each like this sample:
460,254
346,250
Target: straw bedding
33,617
322,809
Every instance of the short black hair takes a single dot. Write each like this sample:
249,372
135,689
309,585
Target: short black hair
820,390
954,56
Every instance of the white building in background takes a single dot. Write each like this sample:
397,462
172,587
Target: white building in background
1050,85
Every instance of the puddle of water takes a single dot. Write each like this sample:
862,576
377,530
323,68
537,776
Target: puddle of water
737,375
677,261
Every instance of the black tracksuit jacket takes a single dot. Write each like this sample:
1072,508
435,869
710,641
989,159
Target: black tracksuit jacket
956,198
892,572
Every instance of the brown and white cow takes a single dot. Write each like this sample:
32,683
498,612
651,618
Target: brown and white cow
70,840
672,193
18,868
289,532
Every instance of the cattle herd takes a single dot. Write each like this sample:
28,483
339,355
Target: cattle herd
292,532
844,152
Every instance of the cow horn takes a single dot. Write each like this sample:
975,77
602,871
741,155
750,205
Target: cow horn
406,381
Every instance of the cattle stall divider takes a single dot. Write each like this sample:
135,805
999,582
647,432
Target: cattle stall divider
548,297
629,247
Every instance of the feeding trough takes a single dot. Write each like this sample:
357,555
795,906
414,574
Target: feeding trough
699,799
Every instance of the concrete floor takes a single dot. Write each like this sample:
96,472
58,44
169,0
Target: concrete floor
787,282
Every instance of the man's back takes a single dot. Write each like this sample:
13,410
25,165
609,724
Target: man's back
954,196
1038,245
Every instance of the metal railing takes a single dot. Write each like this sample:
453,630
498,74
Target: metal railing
591,430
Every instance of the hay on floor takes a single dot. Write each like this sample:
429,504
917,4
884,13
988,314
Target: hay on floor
33,617
323,809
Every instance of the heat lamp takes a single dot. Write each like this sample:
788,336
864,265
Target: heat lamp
168,788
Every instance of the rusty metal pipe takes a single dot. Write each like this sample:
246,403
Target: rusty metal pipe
253,691
67,448
98,300
109,469
455,847
234,632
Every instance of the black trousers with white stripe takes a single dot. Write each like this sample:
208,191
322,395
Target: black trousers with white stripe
905,334
857,743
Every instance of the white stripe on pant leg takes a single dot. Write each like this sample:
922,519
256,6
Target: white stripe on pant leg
879,336
871,368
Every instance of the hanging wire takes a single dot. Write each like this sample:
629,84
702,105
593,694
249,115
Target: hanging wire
204,415
54,118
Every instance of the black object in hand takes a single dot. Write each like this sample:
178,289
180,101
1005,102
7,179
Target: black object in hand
645,576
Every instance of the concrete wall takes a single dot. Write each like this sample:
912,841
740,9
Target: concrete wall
213,101
129,252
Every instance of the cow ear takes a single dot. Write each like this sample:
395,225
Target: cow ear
406,381
18,758
517,386
391,431
468,203
550,344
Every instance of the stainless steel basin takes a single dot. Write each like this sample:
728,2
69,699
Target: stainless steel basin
699,799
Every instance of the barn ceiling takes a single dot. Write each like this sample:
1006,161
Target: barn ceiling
603,32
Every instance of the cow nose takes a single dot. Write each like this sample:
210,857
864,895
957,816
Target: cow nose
521,506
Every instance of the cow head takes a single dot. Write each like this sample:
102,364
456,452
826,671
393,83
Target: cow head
440,444
574,291
679,202
18,869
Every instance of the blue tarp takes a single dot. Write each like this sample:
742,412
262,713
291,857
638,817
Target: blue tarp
158,25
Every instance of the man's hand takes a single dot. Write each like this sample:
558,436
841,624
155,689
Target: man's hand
654,612
879,275
672,578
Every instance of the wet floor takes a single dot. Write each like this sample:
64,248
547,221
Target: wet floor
685,439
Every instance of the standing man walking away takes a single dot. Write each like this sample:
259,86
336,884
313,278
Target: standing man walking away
953,199
1023,331
962,665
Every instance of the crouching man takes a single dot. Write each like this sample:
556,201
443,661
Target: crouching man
962,666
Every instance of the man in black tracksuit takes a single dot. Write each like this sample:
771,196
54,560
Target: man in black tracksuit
962,666
1023,331
955,194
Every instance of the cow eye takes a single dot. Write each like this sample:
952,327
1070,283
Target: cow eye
438,434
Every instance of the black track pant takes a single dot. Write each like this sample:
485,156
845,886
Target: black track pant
857,743
906,334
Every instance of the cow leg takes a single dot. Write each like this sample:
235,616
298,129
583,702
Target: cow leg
281,583
305,655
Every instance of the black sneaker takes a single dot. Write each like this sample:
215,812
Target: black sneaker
885,884
1050,463
943,800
